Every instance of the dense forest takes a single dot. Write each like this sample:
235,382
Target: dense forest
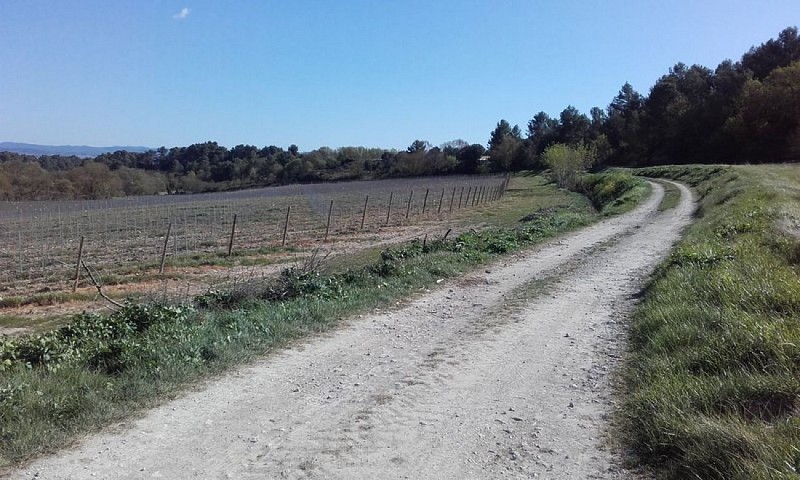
742,112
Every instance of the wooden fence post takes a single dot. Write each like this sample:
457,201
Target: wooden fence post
164,250
78,266
233,232
460,196
328,226
408,207
389,210
452,197
19,252
286,226
425,201
364,215
440,202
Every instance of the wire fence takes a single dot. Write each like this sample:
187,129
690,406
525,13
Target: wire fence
41,242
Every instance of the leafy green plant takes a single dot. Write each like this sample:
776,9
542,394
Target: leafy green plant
89,338
567,163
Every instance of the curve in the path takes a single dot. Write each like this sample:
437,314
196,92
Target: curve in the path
502,373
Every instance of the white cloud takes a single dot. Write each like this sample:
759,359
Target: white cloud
182,14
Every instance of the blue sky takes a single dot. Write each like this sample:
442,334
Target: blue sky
334,73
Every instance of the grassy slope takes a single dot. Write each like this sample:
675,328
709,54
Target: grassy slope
714,378
58,385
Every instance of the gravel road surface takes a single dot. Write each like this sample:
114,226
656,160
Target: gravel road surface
504,373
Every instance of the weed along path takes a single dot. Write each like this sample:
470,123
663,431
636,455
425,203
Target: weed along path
502,373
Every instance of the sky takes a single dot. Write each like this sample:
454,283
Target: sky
376,73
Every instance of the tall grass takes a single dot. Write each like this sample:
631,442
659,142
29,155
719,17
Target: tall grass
714,375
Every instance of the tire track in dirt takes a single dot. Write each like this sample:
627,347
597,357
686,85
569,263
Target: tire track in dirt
502,373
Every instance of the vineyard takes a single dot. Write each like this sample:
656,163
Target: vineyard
62,246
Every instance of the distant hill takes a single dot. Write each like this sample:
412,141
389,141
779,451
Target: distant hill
66,150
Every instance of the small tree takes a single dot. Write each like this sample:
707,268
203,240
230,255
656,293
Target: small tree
504,144
566,163
469,158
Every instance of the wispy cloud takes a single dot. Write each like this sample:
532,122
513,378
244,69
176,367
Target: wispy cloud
182,14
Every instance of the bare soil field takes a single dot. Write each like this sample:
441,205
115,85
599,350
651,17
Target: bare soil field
40,241
181,284
125,238
506,373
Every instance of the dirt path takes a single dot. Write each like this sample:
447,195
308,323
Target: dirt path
503,373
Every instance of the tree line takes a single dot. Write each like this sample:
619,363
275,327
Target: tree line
746,111
205,167
741,112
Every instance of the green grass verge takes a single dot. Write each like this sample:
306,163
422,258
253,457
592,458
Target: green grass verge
672,197
614,192
524,192
713,380
44,298
99,369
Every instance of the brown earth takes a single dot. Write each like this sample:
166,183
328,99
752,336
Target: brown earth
183,283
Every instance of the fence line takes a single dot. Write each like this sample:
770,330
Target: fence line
38,248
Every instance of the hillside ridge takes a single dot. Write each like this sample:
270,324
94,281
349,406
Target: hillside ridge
77,150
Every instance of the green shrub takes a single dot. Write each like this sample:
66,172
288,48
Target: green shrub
567,163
